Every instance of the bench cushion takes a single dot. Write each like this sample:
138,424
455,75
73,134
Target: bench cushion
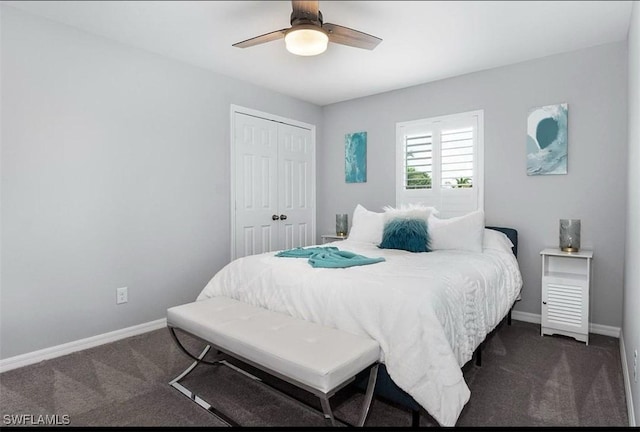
318,356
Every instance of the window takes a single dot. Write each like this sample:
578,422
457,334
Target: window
439,163
456,157
418,156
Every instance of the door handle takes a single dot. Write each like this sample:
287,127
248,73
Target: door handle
275,217
283,217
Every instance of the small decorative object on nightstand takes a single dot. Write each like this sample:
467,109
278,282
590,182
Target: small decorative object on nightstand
326,238
566,278
570,235
342,224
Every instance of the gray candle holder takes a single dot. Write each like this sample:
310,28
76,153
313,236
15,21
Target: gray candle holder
570,235
342,224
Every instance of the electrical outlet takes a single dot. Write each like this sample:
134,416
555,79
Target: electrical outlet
122,295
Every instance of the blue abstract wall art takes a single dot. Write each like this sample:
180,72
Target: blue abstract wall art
355,157
547,140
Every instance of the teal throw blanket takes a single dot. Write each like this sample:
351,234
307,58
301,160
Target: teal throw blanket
329,257
305,253
341,259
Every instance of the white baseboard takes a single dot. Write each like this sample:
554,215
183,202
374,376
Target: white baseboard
78,345
627,383
600,329
526,317
605,330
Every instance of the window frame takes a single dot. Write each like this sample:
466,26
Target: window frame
448,201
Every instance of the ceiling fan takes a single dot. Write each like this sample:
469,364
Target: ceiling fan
309,35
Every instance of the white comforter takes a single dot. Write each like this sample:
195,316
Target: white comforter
428,311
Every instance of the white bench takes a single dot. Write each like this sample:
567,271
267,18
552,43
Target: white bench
318,359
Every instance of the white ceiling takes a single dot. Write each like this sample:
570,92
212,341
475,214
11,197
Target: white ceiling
422,40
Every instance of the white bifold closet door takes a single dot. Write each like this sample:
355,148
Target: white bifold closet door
274,180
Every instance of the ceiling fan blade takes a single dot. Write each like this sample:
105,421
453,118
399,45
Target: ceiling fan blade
348,36
305,10
267,37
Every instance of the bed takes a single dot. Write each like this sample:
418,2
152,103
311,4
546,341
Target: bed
428,311
387,389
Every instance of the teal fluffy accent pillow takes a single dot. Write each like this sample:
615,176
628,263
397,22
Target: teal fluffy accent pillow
405,234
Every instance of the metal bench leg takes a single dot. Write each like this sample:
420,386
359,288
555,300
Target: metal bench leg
199,359
175,383
326,408
368,396
188,370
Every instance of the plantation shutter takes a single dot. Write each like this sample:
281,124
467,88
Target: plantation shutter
456,158
418,155
439,163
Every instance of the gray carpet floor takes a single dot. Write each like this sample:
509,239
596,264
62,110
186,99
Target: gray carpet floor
525,380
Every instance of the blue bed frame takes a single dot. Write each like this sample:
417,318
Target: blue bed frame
389,391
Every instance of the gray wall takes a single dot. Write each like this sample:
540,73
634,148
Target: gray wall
591,81
631,314
115,172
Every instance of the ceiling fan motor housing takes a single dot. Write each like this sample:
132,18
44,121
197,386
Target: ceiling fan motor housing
299,17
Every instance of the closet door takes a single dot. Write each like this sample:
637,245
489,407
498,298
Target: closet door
273,185
256,185
295,186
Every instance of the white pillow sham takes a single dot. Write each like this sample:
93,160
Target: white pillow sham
409,211
496,240
460,233
366,226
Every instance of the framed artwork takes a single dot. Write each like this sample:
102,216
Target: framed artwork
355,157
547,140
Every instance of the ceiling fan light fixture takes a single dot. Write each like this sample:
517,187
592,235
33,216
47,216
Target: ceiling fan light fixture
306,40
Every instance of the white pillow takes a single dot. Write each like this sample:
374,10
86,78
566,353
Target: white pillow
461,233
409,211
367,226
496,240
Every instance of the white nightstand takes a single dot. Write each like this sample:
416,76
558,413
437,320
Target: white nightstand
326,238
566,277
